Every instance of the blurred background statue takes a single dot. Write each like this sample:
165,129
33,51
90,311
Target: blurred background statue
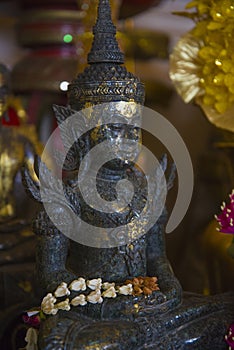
18,144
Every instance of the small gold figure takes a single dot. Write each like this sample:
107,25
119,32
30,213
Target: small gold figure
15,146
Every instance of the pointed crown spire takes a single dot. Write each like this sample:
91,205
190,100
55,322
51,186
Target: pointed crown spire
105,79
105,46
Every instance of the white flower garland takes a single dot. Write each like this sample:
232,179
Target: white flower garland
99,290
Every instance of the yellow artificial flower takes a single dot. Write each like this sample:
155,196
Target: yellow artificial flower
201,64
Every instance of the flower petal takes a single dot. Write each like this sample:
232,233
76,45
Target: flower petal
78,285
94,283
62,290
79,300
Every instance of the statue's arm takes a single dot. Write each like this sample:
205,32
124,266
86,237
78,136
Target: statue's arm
158,263
51,254
52,245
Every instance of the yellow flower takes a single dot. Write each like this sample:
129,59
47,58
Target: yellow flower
206,75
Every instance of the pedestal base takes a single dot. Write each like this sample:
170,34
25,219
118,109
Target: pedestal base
197,323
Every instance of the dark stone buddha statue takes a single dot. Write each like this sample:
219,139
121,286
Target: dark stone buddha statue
165,319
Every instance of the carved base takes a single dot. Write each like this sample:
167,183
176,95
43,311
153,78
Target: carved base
197,323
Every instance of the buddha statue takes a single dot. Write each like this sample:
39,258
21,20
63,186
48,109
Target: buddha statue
15,147
163,319
16,237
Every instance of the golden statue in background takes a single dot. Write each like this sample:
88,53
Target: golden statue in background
17,145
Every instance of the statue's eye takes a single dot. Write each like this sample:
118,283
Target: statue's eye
116,127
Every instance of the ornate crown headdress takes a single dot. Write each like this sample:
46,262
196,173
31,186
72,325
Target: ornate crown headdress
105,79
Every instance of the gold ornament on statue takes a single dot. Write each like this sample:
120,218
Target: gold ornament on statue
201,64
16,147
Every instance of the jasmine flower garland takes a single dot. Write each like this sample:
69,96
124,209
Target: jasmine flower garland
92,291
89,291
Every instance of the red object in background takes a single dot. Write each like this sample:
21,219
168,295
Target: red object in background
33,321
12,118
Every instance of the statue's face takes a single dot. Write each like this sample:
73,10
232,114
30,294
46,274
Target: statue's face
123,133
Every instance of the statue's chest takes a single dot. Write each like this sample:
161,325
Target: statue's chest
112,264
